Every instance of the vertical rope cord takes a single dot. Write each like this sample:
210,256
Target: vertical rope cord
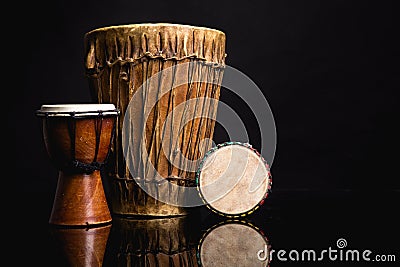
71,130
98,125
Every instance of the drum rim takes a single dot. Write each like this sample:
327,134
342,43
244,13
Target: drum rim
233,215
77,109
152,24
227,222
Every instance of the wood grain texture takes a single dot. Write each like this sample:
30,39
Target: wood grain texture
75,146
118,62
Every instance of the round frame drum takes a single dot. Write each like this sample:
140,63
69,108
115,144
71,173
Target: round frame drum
78,138
233,179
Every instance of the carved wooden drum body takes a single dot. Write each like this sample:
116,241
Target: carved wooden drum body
78,139
166,78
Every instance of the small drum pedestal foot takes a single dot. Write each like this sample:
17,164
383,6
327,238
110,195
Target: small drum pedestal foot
80,200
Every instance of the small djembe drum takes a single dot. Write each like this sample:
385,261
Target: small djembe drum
165,79
78,138
233,179
234,243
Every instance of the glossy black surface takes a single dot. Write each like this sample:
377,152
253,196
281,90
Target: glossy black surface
289,220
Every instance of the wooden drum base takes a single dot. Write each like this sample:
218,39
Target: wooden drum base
80,200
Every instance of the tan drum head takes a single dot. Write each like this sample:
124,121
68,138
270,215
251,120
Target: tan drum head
233,179
90,109
233,244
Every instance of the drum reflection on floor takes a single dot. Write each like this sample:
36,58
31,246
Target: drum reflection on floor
233,243
82,246
150,242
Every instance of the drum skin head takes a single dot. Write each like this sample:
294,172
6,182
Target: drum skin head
233,244
233,179
79,109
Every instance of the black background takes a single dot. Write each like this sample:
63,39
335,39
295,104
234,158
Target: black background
329,70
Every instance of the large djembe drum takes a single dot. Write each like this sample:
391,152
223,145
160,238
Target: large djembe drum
165,79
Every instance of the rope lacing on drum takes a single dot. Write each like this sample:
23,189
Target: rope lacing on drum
87,168
75,164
